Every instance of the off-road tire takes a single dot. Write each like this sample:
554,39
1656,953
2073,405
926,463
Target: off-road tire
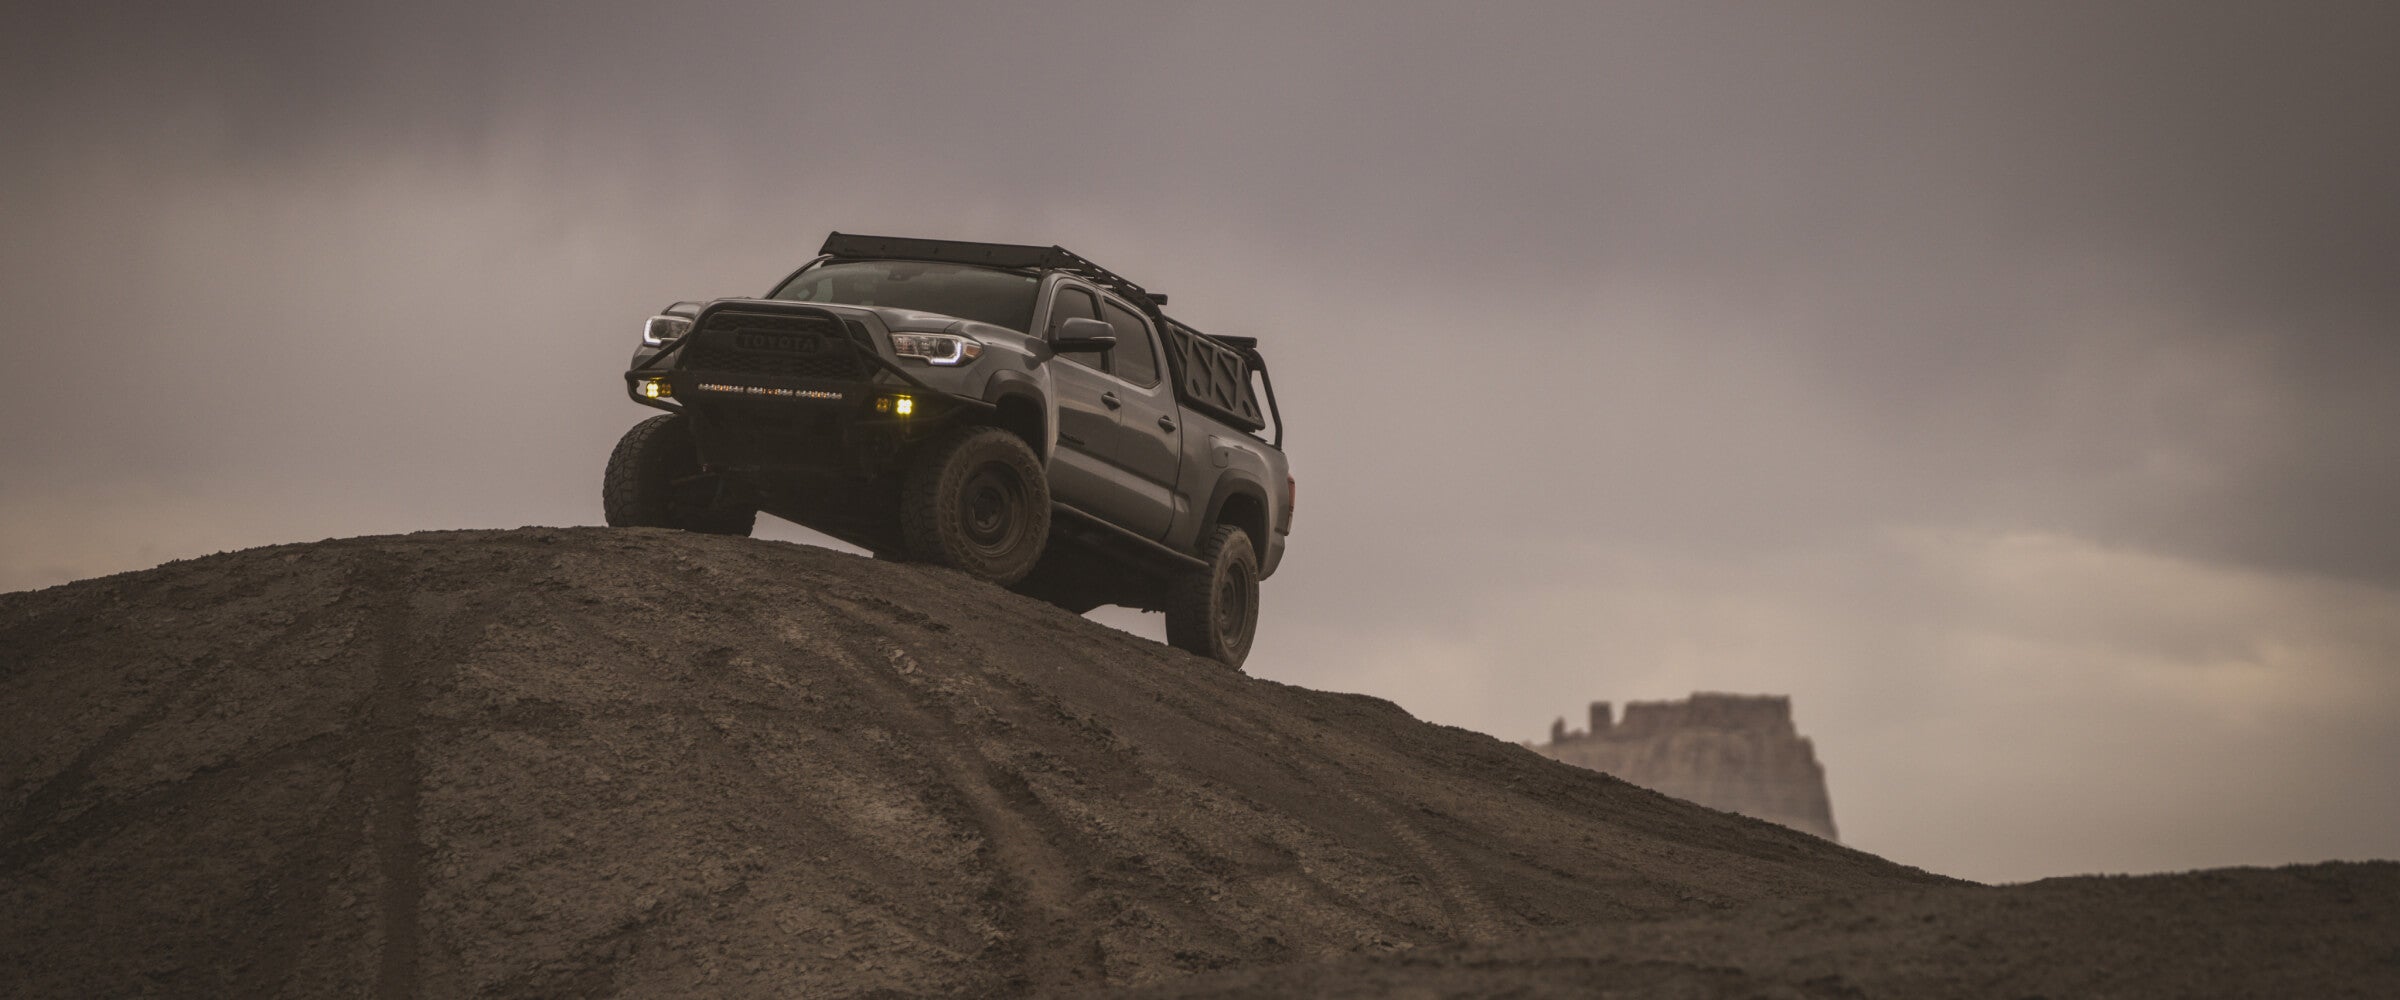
1213,611
654,481
976,499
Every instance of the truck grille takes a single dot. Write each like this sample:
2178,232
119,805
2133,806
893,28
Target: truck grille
746,343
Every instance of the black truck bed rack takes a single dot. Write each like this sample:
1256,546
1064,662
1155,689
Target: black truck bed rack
1211,373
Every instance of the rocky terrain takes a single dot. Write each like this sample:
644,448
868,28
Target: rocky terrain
2315,931
1739,753
589,762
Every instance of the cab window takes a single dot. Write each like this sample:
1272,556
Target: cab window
982,294
1133,360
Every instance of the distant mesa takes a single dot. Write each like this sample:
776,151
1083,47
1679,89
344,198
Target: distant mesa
1734,752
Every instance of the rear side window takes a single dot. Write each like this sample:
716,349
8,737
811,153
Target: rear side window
1134,360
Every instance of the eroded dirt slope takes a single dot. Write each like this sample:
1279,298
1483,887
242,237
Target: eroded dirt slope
2318,931
588,761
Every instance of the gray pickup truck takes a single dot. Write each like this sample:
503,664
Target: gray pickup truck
1016,412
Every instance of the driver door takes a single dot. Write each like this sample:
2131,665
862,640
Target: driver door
1086,423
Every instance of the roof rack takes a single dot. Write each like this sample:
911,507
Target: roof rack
1017,255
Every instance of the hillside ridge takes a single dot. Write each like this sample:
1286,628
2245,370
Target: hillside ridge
584,761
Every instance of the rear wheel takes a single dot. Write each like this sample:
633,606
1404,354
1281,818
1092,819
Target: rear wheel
977,500
1213,611
654,481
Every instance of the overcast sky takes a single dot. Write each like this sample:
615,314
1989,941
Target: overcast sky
2012,384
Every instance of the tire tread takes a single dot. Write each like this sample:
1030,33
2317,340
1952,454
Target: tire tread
926,526
633,491
1191,618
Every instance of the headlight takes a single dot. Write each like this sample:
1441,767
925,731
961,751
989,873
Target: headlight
937,348
661,329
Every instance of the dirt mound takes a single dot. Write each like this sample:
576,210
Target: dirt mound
581,762
2317,931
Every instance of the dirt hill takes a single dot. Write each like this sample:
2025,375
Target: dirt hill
585,761
2315,931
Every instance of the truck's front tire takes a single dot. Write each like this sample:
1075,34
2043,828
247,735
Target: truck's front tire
654,481
1213,611
977,500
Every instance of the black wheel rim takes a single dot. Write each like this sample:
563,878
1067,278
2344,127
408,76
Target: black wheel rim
1233,606
991,509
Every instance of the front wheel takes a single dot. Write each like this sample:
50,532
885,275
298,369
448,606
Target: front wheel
1213,611
654,481
977,500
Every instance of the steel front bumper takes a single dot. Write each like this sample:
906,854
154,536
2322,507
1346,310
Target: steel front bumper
774,386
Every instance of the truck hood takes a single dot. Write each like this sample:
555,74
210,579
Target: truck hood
893,319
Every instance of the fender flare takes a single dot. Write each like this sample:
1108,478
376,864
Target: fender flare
1238,482
1005,384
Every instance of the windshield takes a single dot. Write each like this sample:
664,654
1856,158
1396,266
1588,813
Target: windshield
982,294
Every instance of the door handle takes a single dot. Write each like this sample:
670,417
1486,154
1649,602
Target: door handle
1111,399
1167,424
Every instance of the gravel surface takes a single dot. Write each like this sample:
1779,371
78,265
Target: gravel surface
591,762
2317,931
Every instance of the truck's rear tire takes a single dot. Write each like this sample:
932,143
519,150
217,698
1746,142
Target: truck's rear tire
1213,611
977,500
654,481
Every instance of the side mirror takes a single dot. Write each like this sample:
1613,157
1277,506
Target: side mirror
1079,335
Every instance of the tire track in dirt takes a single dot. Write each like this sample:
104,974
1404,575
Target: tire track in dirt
1051,958
800,826
421,631
394,778
204,785
1472,918
41,808
288,906
287,903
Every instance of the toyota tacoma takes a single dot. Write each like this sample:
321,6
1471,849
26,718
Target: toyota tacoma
1015,412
